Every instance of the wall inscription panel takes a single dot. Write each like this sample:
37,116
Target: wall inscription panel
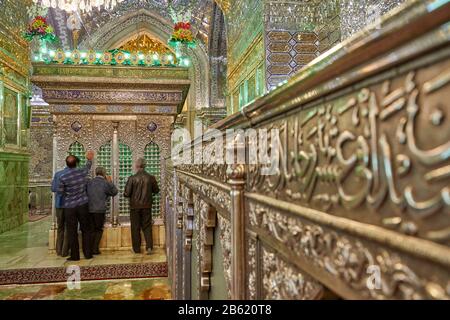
379,155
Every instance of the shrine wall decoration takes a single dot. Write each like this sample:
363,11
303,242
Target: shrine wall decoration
14,115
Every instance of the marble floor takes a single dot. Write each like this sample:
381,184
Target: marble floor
136,289
27,247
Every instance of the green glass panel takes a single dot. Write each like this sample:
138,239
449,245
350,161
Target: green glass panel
77,149
104,157
125,171
152,156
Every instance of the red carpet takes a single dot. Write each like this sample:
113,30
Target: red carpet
101,272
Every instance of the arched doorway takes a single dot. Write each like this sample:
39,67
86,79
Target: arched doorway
143,21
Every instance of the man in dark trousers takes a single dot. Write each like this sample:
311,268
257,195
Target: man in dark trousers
99,190
72,187
140,188
62,243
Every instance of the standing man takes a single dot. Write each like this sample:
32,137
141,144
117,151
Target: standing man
72,187
99,190
140,188
62,242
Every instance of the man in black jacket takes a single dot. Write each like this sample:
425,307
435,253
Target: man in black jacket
99,190
140,188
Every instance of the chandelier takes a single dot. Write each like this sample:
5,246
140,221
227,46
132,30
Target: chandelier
78,5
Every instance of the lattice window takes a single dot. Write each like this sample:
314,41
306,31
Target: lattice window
125,171
104,156
77,149
152,156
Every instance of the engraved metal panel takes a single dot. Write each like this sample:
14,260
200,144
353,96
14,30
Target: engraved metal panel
379,155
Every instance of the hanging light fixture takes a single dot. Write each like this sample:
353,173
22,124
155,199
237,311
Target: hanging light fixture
78,5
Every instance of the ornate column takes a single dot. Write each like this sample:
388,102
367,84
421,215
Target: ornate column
55,168
179,213
188,231
115,173
236,178
176,188
178,242
41,162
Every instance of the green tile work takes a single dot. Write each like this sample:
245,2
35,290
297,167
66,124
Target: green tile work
104,157
14,116
77,149
13,190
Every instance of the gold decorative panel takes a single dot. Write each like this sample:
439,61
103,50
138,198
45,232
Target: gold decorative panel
278,47
287,52
284,58
304,59
279,36
15,50
145,44
305,48
225,5
277,69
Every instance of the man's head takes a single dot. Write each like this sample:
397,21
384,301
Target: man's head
71,161
90,155
100,171
140,164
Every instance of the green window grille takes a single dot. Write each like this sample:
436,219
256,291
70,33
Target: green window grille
104,156
77,149
125,171
152,156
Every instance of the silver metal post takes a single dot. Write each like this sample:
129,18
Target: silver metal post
55,169
115,173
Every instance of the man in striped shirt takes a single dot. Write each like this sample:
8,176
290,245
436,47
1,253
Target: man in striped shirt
76,209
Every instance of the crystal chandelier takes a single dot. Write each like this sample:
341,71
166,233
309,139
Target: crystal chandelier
78,5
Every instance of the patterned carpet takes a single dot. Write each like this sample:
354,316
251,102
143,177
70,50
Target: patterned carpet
88,273
131,289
